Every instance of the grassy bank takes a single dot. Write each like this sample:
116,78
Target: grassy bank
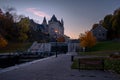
112,64
109,64
105,48
12,47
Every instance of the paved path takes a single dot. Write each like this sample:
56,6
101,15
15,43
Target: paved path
53,69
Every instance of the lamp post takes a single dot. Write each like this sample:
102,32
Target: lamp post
56,42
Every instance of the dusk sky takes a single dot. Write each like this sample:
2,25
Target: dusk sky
78,15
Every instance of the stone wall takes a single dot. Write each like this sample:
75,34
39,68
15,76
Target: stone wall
46,47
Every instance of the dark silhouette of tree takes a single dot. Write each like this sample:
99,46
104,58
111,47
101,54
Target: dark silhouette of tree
94,26
107,23
8,29
116,23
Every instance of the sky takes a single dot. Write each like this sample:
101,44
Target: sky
78,15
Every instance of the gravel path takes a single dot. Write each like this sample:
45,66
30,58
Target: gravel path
53,68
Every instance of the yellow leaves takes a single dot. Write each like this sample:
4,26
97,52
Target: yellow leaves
3,42
23,37
24,28
24,24
87,39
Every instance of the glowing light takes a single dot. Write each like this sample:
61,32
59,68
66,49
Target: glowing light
56,31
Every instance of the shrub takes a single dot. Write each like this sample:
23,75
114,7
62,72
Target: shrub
112,64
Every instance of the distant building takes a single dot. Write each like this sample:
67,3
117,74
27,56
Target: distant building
56,27
99,32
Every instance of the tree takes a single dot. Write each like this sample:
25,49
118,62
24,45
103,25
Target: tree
107,23
94,26
87,40
24,25
3,42
112,24
9,9
23,37
7,26
23,29
17,17
116,11
116,23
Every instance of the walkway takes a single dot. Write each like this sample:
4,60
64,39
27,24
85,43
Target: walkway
53,69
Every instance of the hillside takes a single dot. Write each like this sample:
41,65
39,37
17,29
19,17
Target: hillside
107,46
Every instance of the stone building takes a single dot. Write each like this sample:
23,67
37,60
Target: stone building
99,32
56,27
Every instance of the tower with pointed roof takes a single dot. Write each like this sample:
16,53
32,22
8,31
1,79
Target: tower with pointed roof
56,27
62,22
53,27
53,19
45,25
44,21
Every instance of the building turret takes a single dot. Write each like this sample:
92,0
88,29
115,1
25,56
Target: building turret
56,26
44,21
62,22
53,18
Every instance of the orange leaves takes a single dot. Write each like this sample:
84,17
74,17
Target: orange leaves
3,42
61,39
87,39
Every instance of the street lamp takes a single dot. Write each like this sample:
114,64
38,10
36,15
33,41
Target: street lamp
56,41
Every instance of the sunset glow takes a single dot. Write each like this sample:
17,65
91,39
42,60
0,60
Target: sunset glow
78,15
37,12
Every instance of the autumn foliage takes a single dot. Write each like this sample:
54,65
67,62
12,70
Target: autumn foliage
61,39
87,39
3,42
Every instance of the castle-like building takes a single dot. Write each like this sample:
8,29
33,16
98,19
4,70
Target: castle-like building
54,27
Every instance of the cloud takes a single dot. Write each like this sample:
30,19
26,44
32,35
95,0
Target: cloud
37,12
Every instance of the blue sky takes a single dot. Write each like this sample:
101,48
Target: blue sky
78,15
